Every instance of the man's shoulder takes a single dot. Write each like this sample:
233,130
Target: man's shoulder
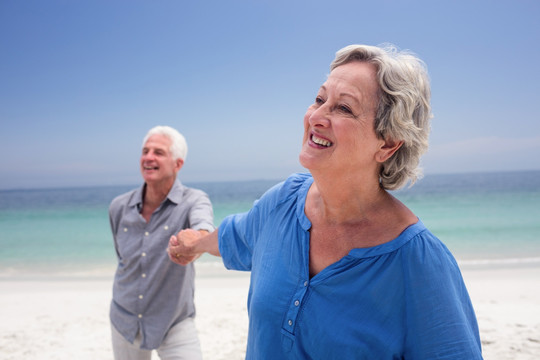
122,199
194,191
181,193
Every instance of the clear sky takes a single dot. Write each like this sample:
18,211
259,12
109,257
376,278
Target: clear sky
82,81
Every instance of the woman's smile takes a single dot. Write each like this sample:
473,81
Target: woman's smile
316,139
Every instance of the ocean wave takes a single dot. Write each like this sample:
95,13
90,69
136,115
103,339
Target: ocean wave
500,261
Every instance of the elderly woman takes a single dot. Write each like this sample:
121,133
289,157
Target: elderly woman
340,269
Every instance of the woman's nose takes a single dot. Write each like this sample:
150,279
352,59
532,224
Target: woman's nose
319,117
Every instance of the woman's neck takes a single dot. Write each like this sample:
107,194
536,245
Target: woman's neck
346,199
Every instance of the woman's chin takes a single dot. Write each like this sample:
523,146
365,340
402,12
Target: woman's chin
304,159
309,161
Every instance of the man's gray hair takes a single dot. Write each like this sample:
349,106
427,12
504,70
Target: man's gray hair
178,142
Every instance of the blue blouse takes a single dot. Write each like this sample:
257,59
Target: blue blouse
404,299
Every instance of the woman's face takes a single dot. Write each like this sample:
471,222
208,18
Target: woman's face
339,127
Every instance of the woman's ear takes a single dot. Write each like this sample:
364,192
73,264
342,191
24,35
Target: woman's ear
388,149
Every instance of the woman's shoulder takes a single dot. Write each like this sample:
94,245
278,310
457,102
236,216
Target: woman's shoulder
288,190
294,185
427,252
416,243
297,181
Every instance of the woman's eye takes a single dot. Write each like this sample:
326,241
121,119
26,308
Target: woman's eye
319,100
345,109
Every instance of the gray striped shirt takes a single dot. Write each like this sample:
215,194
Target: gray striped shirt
150,292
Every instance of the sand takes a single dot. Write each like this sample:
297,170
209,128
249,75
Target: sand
57,318
507,305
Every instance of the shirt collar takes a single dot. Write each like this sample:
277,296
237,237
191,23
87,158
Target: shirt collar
175,194
301,204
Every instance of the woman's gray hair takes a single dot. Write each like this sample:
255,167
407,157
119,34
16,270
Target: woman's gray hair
403,111
178,142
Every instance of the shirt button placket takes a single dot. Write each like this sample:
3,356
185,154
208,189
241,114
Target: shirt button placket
143,275
146,234
294,308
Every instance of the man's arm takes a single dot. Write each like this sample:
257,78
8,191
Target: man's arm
113,221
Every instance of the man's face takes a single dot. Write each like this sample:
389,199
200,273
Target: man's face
157,163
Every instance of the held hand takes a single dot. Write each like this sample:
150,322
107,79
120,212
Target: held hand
182,247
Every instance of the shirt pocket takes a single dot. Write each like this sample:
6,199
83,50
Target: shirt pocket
128,241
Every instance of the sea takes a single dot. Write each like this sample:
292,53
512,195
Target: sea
485,219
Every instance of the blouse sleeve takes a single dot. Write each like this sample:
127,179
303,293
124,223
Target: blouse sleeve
238,233
441,323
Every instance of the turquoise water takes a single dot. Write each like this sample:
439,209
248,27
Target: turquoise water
482,217
487,218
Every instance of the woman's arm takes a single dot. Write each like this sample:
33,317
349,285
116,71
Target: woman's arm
189,244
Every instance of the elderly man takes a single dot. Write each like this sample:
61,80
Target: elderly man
152,305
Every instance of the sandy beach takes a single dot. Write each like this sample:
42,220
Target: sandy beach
67,318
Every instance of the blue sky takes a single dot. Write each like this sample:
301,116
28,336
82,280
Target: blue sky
82,81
